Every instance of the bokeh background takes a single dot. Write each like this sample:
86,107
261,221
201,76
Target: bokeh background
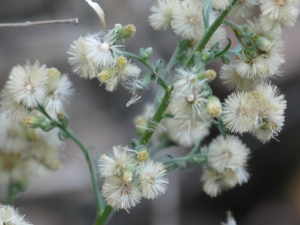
101,119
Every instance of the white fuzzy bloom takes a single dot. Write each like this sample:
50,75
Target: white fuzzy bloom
277,13
227,154
186,132
121,160
221,4
13,109
230,220
239,112
59,94
187,20
242,175
271,106
121,195
252,68
255,26
102,51
81,64
152,179
28,84
9,216
184,80
119,74
162,13
233,81
190,103
216,182
12,135
242,9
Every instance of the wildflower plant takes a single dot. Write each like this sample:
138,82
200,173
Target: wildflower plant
34,123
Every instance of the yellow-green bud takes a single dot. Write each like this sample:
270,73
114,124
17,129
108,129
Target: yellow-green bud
125,32
54,74
34,121
269,126
121,61
140,122
213,106
127,176
210,75
205,56
143,155
262,43
104,76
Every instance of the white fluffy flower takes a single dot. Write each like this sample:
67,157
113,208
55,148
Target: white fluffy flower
187,20
271,106
102,51
121,195
162,13
239,112
186,132
12,135
59,94
184,80
190,103
121,160
152,179
276,13
8,215
229,153
221,4
242,9
230,220
13,109
216,182
233,81
28,84
81,64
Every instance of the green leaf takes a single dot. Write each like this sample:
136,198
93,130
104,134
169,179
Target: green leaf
134,143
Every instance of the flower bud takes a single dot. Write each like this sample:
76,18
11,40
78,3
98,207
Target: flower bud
205,56
104,76
127,176
140,123
54,74
34,121
121,61
213,106
125,32
210,75
226,59
63,118
146,54
269,126
262,43
143,155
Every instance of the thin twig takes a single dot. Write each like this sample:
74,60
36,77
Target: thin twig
28,23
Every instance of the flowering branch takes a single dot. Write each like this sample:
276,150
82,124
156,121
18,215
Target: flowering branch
208,34
69,134
46,22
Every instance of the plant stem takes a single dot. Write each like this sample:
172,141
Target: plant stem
101,220
28,23
157,117
208,34
69,134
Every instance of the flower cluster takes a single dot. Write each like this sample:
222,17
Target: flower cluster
226,167
25,150
185,19
31,86
129,176
8,215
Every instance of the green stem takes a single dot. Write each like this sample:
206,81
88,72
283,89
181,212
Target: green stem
172,61
157,117
235,27
101,220
208,34
69,133
10,195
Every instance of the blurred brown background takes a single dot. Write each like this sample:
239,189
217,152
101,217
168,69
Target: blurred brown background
101,119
